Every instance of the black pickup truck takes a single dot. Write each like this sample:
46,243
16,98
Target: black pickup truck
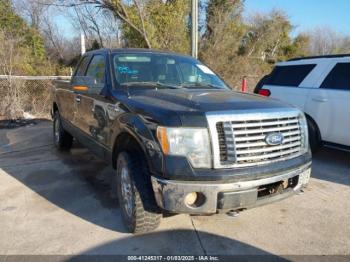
180,139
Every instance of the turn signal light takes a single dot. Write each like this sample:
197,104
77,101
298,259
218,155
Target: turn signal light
163,139
80,88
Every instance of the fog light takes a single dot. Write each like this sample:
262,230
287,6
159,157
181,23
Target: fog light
191,198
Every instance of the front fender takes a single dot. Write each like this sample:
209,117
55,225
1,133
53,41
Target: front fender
144,132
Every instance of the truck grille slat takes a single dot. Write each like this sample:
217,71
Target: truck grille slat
268,149
259,123
263,144
267,156
264,130
242,140
259,137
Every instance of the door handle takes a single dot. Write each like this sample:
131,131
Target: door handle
78,98
320,99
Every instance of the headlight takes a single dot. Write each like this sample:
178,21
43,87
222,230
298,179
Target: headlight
190,142
304,133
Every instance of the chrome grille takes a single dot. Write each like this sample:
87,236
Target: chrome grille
226,142
241,137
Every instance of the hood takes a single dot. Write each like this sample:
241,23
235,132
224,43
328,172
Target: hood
190,105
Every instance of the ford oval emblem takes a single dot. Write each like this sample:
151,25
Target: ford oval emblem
274,139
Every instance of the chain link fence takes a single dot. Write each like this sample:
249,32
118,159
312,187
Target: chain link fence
31,96
26,96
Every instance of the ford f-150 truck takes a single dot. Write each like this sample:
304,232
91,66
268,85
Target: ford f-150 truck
180,140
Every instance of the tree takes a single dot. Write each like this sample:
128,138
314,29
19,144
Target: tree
32,11
300,47
153,23
325,41
267,36
161,24
55,42
95,23
221,38
14,27
220,14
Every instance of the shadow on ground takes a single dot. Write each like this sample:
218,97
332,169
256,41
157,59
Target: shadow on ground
75,181
20,122
84,189
167,242
332,165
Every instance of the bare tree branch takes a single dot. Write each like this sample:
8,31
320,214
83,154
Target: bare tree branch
123,15
117,8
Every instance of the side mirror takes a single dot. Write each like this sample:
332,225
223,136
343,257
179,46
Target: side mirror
86,84
83,81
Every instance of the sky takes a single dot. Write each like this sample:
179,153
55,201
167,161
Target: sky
308,14
304,14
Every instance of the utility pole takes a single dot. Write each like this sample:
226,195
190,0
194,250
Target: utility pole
82,44
194,36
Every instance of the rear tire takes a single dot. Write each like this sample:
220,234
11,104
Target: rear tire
139,210
314,136
61,138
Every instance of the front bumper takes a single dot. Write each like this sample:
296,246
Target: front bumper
213,197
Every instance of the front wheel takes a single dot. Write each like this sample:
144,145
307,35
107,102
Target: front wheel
139,210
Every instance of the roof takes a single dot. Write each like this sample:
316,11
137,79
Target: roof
318,57
135,50
342,58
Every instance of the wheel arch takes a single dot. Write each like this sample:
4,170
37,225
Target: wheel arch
54,109
127,142
318,132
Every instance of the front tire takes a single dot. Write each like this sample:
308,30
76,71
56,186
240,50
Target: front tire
314,136
61,138
139,210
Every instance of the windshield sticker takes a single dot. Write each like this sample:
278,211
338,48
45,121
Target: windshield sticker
127,70
205,69
192,79
170,61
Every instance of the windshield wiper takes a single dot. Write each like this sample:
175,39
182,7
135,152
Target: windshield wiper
155,84
169,85
197,84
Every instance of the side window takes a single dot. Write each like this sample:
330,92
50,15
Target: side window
338,78
289,75
82,66
96,69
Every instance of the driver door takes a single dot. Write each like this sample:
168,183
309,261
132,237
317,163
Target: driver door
92,111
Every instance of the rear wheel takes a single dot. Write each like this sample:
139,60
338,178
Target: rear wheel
139,210
61,138
314,136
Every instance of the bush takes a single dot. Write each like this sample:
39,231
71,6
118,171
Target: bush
22,96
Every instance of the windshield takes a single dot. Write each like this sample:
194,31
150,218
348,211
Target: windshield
164,70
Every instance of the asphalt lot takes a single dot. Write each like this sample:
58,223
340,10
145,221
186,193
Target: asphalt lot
61,203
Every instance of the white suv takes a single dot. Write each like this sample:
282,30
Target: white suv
320,86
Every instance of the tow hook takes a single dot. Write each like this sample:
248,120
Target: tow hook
233,213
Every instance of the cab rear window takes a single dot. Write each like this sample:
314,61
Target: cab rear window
291,75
